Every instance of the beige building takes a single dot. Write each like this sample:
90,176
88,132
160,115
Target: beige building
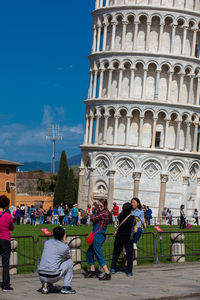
142,111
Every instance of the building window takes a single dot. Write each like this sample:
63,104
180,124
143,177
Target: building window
8,186
157,142
7,171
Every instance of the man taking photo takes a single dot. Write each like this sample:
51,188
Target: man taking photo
51,268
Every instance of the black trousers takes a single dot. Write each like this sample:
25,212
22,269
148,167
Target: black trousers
5,250
118,247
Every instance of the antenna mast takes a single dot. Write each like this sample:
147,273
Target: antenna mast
53,135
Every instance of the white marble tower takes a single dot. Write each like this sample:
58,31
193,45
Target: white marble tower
142,111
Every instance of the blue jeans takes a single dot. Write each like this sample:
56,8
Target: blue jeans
66,219
96,248
73,221
41,220
32,220
137,235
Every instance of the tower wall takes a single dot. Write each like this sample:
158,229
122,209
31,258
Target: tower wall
142,111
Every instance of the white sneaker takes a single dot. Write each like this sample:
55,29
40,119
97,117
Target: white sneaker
134,246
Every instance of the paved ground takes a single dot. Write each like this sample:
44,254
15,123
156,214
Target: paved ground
174,281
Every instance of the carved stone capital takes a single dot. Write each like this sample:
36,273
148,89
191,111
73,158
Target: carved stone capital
111,173
81,171
198,180
137,175
163,178
186,180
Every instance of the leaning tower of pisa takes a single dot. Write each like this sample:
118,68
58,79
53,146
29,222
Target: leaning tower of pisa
142,112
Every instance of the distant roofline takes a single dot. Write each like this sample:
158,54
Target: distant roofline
10,163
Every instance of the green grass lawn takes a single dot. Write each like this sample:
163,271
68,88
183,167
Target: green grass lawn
30,247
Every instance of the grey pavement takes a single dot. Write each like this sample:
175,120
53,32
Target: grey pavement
173,281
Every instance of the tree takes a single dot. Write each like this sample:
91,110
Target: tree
62,180
70,192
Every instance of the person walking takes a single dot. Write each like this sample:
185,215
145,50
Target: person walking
51,268
196,217
124,238
6,225
138,213
61,214
182,217
100,219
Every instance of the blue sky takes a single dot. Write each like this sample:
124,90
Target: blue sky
44,75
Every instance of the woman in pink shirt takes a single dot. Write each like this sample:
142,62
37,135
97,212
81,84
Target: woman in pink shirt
6,224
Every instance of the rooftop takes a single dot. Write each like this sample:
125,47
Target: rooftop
10,163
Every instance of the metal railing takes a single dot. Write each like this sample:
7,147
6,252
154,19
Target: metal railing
152,248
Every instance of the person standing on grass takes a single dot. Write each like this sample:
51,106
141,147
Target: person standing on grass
138,213
52,267
182,217
115,214
32,214
41,214
6,224
100,219
74,215
18,215
124,238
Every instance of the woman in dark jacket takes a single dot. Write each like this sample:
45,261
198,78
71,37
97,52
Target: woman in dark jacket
124,238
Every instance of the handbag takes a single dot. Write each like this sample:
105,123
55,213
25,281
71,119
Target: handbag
115,233
90,237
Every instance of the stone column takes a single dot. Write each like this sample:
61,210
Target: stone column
127,130
166,134
148,36
195,137
173,38
116,128
125,23
107,2
97,4
187,136
101,3
101,83
156,95
98,37
198,89
105,24
105,129
136,176
111,177
119,83
114,24
181,87
169,87
154,133
185,28
191,88
136,23
86,129
185,184
144,85
178,135
163,181
140,132
91,128
198,193
160,37
80,187
98,116
131,83
91,184
95,84
109,82
94,38
194,41
90,87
